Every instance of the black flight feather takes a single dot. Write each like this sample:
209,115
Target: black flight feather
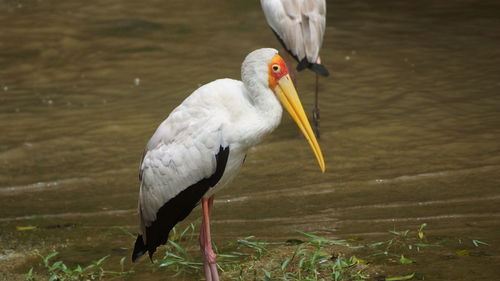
177,209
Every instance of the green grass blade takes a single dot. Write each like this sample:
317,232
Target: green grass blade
178,248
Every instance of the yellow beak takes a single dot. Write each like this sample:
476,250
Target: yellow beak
286,93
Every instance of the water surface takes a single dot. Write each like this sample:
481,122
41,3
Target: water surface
410,121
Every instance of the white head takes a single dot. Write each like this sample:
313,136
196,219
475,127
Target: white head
254,69
264,72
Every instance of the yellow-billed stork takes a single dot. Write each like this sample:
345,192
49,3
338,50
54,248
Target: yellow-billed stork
300,25
202,144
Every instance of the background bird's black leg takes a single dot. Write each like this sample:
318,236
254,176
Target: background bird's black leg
315,111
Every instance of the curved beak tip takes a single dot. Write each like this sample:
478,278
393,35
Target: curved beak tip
287,94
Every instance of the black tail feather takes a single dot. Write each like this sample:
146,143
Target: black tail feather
317,68
303,64
320,69
139,248
177,209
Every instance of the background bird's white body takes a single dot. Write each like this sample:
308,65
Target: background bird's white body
300,24
182,150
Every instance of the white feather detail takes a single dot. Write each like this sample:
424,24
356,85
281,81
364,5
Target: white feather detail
182,150
225,112
299,23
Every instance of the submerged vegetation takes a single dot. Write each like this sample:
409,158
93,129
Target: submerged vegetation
311,257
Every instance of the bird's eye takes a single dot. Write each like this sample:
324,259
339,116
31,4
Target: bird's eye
276,68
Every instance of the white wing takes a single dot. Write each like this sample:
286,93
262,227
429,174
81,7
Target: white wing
182,150
300,24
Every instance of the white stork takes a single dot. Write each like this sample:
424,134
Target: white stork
300,25
202,144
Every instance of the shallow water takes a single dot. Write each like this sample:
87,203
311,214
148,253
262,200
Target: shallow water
410,122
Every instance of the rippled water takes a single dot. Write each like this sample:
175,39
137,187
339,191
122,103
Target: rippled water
410,120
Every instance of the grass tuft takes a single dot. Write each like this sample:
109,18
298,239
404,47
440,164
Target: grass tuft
58,270
310,257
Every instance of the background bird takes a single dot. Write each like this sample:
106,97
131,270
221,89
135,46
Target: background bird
202,144
300,25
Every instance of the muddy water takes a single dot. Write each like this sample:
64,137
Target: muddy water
410,123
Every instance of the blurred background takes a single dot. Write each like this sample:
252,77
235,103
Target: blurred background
410,120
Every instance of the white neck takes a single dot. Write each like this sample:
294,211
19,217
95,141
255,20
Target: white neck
265,109
267,113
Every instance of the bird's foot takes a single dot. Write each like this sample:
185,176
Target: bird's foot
210,262
315,113
210,265
211,273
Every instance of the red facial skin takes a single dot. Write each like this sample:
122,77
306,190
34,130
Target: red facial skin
277,69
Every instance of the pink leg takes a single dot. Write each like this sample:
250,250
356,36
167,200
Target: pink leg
210,263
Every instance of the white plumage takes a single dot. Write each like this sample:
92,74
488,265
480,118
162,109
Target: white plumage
182,150
300,24
202,144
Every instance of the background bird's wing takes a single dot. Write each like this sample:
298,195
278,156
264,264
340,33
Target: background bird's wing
313,27
299,24
284,18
